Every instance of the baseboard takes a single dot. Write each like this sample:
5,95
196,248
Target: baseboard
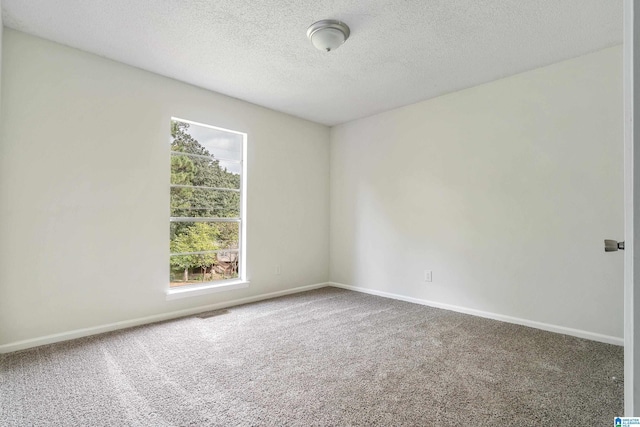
79,333
518,321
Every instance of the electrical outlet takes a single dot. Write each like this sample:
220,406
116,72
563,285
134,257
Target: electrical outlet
277,270
428,276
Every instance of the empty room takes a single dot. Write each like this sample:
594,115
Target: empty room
318,213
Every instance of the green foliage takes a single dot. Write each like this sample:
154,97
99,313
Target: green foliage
198,237
200,172
182,170
229,233
191,171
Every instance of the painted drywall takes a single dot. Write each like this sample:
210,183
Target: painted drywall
1,31
505,191
84,196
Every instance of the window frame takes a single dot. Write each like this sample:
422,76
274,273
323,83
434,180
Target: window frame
223,284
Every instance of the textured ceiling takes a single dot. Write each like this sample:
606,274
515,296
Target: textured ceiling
400,51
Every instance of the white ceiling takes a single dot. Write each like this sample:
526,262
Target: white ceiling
399,52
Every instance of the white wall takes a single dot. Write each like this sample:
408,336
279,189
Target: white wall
1,31
506,191
84,198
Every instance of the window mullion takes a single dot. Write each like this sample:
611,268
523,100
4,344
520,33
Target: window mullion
202,219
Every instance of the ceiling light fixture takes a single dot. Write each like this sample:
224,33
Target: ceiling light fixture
328,34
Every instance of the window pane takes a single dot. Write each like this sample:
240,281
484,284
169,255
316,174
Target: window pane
204,172
203,268
229,235
206,168
202,202
203,236
232,168
216,142
219,143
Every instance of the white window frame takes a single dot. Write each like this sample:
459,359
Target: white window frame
227,284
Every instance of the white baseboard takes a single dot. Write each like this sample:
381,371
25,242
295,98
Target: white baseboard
524,322
79,333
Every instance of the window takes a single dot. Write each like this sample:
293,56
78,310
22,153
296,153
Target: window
206,222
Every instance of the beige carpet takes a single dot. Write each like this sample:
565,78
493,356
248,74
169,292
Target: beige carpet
322,358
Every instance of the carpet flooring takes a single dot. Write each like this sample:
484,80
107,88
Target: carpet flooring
327,357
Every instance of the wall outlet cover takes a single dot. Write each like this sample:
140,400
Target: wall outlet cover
428,276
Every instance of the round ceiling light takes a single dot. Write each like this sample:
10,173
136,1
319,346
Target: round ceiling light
328,34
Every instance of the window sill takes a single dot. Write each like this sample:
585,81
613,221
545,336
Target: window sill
192,291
